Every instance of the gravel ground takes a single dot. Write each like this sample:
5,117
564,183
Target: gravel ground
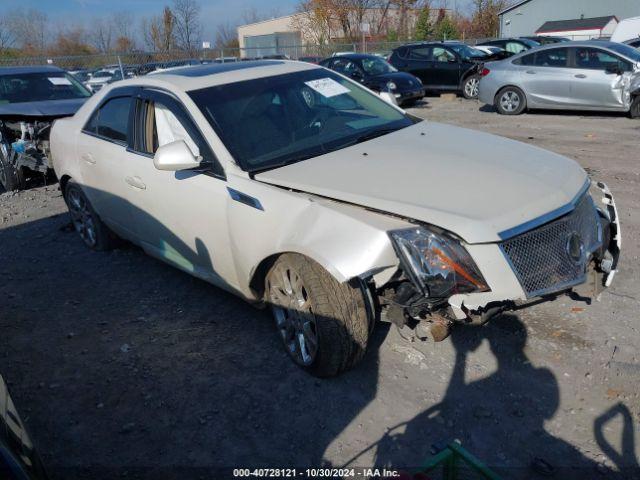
123,366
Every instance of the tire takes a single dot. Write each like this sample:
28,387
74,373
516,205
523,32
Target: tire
309,305
470,87
11,178
93,232
634,111
510,101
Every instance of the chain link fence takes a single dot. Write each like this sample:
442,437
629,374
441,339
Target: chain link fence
143,62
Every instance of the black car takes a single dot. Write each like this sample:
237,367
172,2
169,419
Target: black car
442,66
546,40
378,75
31,98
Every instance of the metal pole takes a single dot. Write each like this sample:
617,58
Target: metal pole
121,69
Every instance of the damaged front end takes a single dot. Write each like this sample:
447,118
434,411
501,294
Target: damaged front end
24,150
442,281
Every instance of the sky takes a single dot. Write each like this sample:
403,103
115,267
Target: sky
214,12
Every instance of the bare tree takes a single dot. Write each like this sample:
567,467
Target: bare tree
159,31
187,23
7,37
123,28
102,35
226,36
30,30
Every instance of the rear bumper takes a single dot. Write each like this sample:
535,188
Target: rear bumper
487,90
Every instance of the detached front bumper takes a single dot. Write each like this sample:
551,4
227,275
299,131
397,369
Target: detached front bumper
581,246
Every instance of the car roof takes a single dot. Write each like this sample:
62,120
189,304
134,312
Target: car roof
208,75
440,42
586,44
356,56
29,69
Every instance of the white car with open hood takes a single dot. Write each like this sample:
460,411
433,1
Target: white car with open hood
297,188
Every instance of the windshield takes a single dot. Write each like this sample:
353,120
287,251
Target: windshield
377,66
626,50
272,121
466,52
530,43
41,86
103,74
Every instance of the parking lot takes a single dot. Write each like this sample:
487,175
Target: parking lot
123,366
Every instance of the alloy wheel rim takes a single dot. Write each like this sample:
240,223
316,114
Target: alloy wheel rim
82,218
294,318
510,101
472,87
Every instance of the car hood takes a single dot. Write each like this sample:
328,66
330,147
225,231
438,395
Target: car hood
46,108
473,184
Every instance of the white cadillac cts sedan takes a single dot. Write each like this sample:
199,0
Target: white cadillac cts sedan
297,188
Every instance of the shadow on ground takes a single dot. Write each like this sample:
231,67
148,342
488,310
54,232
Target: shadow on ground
122,365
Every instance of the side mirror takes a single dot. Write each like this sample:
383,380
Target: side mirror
356,75
453,60
175,156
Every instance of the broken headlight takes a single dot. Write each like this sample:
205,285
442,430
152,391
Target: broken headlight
436,263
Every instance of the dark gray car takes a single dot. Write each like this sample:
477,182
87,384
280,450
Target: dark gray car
569,76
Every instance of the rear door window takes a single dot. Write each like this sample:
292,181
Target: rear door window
111,120
555,57
527,60
420,53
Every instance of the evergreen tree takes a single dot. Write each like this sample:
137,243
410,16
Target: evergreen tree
424,29
446,29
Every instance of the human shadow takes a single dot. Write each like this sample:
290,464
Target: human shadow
625,460
499,418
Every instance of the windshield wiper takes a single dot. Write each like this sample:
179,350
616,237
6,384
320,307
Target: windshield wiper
374,134
289,161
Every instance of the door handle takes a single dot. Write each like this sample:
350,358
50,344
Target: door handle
531,72
136,182
87,157
580,75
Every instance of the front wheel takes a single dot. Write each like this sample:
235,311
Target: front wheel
11,178
510,101
323,323
470,87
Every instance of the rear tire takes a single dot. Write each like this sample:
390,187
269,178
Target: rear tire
93,232
11,178
323,323
510,101
470,87
634,111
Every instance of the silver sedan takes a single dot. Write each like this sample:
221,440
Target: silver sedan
594,75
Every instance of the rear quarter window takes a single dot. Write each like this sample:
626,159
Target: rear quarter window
111,120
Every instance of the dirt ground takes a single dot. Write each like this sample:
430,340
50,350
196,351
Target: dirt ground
125,367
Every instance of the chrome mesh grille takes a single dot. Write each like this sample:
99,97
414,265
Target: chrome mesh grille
540,257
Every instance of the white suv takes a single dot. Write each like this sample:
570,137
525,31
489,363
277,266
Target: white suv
297,188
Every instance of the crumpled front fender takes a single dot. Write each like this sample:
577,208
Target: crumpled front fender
625,86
